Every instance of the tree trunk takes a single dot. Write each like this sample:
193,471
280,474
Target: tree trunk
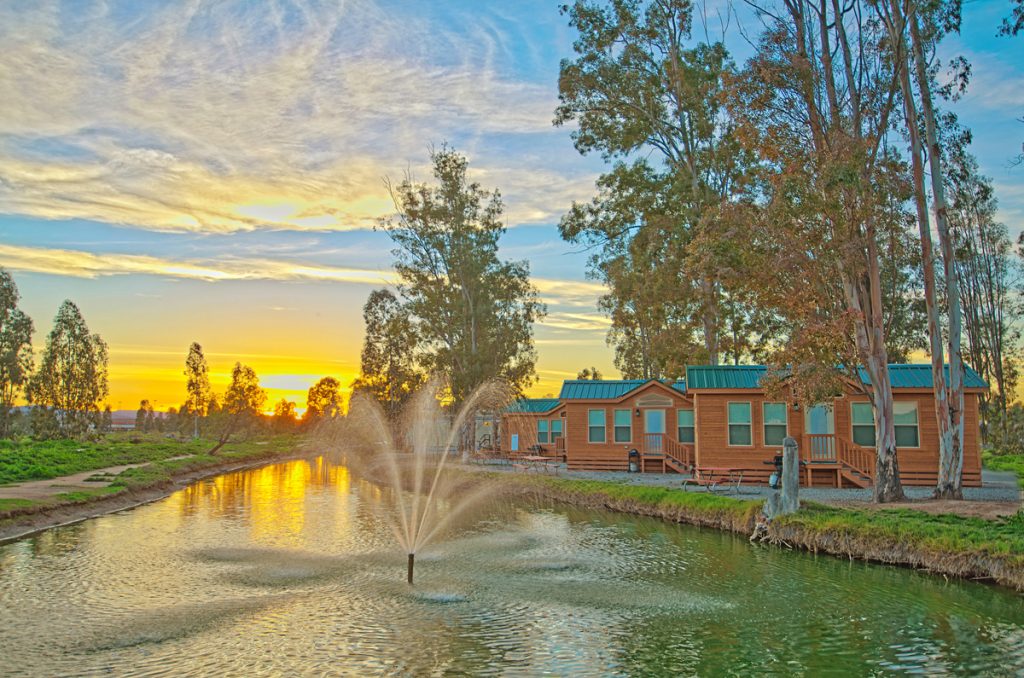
940,395
951,464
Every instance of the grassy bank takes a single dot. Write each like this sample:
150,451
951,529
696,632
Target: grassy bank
946,544
1008,462
166,461
27,459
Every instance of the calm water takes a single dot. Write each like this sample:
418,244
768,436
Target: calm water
291,570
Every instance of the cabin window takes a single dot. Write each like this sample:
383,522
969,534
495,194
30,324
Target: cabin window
684,421
774,424
623,426
595,426
739,424
542,430
904,415
556,429
862,416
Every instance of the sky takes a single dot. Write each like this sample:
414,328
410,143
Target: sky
212,171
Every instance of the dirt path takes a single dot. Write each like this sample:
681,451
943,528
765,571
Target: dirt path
44,489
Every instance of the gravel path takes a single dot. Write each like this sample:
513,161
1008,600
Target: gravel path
996,486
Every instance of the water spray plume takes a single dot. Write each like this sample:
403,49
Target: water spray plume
415,451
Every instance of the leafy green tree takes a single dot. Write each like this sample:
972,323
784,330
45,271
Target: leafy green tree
72,376
638,87
144,417
284,415
197,375
15,350
817,103
474,312
323,400
243,404
589,373
388,369
106,420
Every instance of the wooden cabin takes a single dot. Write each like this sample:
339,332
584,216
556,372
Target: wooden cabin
534,426
721,418
606,419
738,427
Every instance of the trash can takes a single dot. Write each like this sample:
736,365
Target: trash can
634,461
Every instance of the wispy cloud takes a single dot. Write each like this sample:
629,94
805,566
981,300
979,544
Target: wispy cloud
82,264
226,116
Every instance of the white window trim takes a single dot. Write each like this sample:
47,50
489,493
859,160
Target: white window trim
694,427
764,422
629,416
852,439
603,427
917,423
729,425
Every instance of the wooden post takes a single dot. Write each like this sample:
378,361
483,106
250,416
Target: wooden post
790,476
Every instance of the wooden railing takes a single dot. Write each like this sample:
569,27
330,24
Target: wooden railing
560,445
830,448
654,443
660,443
820,447
855,457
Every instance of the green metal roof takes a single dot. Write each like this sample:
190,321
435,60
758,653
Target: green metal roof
725,376
920,376
749,376
533,405
607,389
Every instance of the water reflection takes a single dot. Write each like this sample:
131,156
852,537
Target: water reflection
292,569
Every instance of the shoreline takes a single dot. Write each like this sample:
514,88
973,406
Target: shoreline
34,520
939,545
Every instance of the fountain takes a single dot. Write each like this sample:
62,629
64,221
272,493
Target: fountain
415,458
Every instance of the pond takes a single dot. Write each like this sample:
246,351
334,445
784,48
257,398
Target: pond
291,569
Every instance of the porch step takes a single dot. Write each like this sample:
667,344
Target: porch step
676,466
856,478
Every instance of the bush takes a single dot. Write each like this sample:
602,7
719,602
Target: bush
1006,434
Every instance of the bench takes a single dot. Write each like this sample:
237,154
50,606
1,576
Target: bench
713,478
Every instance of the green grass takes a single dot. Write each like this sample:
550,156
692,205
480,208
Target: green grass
25,459
10,504
945,533
916,530
1007,462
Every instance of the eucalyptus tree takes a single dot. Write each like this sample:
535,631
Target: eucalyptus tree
639,88
323,400
197,375
473,312
72,375
914,30
388,362
243,404
816,103
15,350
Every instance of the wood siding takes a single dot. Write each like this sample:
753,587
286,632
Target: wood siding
581,454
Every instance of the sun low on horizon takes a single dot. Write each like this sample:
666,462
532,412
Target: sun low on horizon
216,172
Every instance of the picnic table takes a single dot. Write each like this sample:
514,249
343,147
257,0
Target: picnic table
713,477
535,464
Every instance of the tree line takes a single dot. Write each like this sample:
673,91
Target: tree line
67,389
815,208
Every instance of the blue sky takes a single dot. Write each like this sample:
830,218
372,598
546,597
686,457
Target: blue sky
212,171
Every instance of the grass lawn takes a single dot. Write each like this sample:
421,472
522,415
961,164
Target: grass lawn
27,459
30,460
939,535
1006,462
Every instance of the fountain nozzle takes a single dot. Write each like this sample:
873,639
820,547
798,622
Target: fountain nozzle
412,560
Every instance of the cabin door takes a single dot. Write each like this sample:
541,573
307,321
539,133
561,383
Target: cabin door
654,431
820,426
